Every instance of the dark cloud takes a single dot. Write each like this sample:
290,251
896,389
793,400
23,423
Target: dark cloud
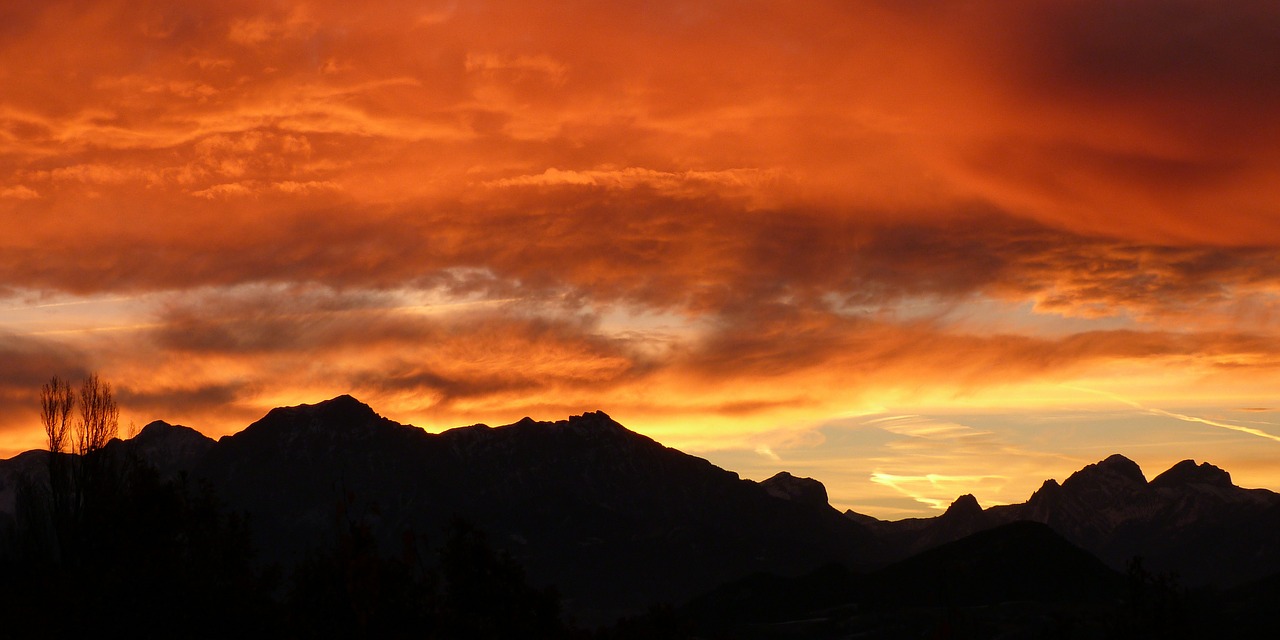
870,352
29,363
666,209
378,346
224,400
1194,50
702,255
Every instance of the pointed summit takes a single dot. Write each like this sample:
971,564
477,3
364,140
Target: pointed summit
964,506
1188,472
340,418
344,403
1047,488
155,426
1044,500
1115,471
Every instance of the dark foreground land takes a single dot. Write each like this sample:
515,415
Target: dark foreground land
328,520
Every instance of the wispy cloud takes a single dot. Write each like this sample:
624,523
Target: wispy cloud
1183,417
921,488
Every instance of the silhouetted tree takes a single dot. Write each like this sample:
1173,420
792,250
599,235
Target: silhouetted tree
78,482
139,554
56,404
99,416
57,401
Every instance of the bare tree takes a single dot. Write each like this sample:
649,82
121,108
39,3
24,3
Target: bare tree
77,428
56,403
99,416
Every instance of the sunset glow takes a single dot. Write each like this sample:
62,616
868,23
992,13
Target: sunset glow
913,250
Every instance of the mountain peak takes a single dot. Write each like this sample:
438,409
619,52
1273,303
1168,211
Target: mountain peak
1116,460
965,505
1123,467
343,406
803,490
1188,472
170,447
592,417
344,401
161,430
340,415
1115,470
153,427
587,421
1045,498
595,422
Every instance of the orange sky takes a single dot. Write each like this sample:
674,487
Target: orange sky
910,249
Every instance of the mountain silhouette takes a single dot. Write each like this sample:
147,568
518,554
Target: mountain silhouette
1016,561
1187,474
612,518
803,490
1190,521
618,522
169,448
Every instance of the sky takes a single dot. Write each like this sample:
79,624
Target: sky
912,249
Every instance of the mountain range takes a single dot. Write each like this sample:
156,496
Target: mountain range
618,522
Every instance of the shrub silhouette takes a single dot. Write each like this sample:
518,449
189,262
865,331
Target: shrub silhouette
154,557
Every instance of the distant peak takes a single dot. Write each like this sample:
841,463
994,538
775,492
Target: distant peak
1115,469
804,490
155,425
964,505
1188,472
592,424
1124,467
589,419
1047,492
340,414
1117,461
592,416
344,404
344,400
596,421
159,429
169,446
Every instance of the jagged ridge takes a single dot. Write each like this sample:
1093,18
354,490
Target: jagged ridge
584,501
